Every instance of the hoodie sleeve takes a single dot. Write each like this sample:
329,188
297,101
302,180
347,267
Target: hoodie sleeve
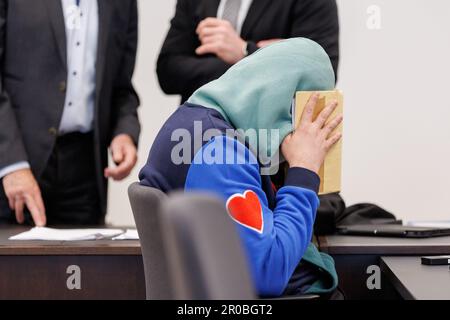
274,241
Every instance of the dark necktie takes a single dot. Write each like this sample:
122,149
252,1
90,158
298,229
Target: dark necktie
77,2
231,12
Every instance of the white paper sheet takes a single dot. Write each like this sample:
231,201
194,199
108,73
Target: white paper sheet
49,234
429,224
130,234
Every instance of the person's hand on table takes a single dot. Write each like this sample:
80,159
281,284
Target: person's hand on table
124,154
308,145
22,189
218,37
268,42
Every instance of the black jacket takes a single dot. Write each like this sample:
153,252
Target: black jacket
33,80
181,71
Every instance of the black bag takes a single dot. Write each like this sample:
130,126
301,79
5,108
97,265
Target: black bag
333,212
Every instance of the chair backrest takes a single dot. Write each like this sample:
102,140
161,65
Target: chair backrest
206,259
146,205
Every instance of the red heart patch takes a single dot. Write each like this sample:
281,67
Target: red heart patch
246,210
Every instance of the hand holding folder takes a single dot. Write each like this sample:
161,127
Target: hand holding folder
330,172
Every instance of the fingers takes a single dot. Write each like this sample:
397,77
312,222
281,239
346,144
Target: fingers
11,202
22,190
109,172
330,127
129,161
124,167
40,203
206,49
124,155
333,140
120,172
307,116
35,205
208,32
208,23
42,220
213,27
265,43
117,153
18,208
211,39
325,114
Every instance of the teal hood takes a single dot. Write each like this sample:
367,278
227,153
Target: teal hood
257,92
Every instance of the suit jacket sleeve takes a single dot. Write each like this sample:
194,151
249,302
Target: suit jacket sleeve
125,99
12,149
318,20
179,69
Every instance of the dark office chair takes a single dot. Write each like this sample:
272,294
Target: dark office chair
190,248
205,255
146,203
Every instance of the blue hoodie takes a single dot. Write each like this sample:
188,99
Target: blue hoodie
275,226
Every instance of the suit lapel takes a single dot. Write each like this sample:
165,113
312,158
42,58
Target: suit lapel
105,10
55,12
257,8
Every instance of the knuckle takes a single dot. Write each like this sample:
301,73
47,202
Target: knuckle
303,130
314,128
335,124
17,191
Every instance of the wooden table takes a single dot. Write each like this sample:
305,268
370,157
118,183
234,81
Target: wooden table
415,281
355,255
39,269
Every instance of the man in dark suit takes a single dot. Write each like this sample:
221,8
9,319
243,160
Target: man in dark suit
65,96
206,37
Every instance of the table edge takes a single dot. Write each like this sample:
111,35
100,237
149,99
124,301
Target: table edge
395,281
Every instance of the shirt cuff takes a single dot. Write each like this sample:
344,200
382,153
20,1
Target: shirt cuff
303,178
14,167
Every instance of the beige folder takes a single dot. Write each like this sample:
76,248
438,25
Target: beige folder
331,171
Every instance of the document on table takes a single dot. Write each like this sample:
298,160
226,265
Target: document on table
49,234
130,234
429,224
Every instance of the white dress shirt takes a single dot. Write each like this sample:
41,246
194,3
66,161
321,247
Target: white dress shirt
82,43
82,25
243,11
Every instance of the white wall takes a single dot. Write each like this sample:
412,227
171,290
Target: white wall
155,106
395,80
397,139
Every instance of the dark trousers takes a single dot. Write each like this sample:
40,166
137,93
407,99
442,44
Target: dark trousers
68,184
